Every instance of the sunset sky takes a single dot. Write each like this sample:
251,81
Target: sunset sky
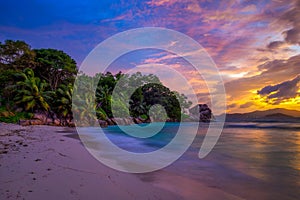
255,44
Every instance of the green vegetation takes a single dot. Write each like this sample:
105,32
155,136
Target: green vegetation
11,117
40,81
30,92
35,81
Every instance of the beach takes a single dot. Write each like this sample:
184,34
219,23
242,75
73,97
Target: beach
48,162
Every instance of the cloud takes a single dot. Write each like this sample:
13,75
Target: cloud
194,7
271,73
233,105
280,68
249,9
275,44
246,105
282,91
291,17
288,25
292,36
161,2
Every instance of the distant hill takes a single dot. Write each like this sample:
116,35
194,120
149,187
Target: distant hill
272,115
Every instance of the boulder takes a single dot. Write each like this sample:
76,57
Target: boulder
56,122
128,121
103,123
36,122
201,113
40,116
119,121
71,124
24,122
205,113
113,120
109,122
48,121
137,120
147,120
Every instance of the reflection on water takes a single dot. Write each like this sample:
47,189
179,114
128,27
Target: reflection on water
269,156
251,160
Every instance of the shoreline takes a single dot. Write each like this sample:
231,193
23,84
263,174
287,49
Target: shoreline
44,121
44,162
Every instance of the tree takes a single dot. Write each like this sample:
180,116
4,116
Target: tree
137,105
103,99
55,67
184,102
83,106
16,55
105,87
31,92
156,93
63,102
7,78
142,91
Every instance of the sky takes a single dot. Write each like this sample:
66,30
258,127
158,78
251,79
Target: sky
254,44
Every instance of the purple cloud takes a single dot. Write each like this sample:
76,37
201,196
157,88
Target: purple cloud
285,90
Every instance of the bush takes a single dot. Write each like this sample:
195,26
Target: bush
11,117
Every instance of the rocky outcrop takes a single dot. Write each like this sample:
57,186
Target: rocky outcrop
137,120
41,117
44,119
205,113
24,122
171,120
201,113
110,122
124,121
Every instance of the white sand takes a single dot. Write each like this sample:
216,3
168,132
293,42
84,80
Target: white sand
40,162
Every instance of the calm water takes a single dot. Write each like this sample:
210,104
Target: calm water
250,160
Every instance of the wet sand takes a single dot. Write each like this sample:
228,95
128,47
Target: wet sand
43,162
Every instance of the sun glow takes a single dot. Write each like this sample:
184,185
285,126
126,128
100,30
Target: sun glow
239,75
254,101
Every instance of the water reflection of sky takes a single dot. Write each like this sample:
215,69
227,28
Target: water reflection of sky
270,154
259,163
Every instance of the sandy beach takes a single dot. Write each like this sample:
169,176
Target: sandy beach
43,162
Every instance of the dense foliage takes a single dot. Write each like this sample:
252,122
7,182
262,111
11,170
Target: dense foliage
34,81
41,81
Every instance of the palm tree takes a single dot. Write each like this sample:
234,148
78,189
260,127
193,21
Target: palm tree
63,103
84,104
83,109
31,92
103,98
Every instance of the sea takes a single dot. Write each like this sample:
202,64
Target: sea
249,160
